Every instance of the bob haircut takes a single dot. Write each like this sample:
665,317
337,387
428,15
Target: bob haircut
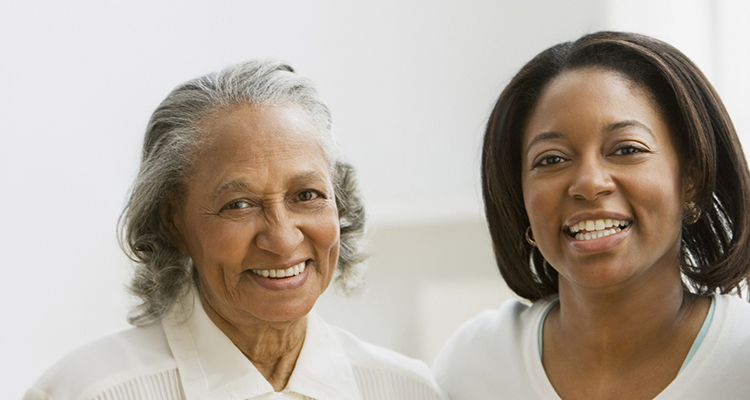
715,251
162,272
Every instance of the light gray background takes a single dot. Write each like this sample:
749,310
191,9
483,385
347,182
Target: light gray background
410,84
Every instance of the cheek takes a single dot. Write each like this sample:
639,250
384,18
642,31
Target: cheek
660,196
220,243
324,234
227,238
540,203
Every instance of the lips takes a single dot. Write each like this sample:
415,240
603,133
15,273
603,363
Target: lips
280,273
596,228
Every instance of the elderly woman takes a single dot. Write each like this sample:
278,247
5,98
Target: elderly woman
241,215
618,200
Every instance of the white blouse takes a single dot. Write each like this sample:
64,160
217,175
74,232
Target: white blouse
186,357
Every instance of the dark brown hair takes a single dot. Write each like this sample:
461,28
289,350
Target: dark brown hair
716,249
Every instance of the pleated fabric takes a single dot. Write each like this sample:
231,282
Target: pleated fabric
162,386
377,384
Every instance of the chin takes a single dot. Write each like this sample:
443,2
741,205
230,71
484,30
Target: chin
286,311
599,277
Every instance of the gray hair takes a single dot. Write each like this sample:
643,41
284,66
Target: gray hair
163,273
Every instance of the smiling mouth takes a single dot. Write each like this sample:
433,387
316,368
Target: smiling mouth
280,273
596,228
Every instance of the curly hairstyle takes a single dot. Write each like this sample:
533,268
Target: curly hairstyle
162,272
715,251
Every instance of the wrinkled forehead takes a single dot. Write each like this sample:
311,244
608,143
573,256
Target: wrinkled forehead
209,126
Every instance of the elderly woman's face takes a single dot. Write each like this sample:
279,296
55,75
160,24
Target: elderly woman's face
259,219
602,183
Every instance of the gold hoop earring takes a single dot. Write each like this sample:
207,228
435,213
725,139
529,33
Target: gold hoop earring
693,213
530,240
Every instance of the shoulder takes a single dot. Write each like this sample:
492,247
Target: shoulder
717,369
507,322
105,362
732,315
733,304
403,376
488,355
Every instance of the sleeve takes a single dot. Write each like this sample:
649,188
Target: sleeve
34,394
483,359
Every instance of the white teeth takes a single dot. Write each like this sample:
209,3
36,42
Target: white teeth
594,229
280,273
597,234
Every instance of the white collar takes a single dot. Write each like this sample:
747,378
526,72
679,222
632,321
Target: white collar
211,366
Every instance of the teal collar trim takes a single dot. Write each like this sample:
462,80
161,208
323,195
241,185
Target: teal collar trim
701,334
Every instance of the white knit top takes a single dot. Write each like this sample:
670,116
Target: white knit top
496,356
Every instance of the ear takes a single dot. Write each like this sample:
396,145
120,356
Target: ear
171,219
692,182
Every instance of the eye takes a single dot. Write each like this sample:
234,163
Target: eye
547,160
307,195
237,205
628,150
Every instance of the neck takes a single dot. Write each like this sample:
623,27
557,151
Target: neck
603,318
613,327
273,348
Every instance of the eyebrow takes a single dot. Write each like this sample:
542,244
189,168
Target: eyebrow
245,186
628,122
234,185
306,177
609,129
543,136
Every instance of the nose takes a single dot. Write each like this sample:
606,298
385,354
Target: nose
591,180
280,233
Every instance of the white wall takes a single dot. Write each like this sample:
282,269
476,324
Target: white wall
410,84
731,60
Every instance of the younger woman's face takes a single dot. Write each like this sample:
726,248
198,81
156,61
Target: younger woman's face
602,183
